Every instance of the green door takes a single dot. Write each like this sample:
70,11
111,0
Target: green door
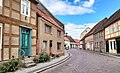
25,41
118,45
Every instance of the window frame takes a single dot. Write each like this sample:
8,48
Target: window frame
29,7
46,28
116,27
1,36
58,45
58,33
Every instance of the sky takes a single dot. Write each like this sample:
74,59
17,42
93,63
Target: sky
77,15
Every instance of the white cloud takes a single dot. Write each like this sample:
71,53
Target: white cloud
75,1
88,3
64,7
74,30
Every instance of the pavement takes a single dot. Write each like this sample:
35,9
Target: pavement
105,54
83,61
47,65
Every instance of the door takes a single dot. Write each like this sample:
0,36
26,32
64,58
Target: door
25,41
118,45
50,46
107,46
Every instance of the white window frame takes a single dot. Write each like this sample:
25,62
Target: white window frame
28,5
1,1
1,36
116,27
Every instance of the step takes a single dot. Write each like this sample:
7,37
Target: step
28,62
28,65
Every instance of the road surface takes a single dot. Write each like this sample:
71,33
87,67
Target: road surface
87,62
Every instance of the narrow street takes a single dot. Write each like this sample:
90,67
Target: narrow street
86,62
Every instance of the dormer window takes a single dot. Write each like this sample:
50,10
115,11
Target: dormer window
25,7
1,2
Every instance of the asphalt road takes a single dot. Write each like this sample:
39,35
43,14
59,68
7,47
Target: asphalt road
87,62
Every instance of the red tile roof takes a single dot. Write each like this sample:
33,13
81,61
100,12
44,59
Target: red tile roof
46,17
66,39
77,40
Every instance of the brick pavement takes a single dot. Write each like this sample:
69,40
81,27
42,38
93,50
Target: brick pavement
87,62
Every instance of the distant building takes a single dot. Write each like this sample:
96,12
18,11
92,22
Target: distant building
66,43
77,43
69,42
82,40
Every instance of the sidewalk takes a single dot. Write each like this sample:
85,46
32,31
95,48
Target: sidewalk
43,66
105,54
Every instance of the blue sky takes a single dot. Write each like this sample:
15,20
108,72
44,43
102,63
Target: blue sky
80,14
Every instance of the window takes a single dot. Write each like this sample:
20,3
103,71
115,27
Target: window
25,7
111,29
116,27
0,36
1,2
58,46
108,30
44,45
58,33
47,29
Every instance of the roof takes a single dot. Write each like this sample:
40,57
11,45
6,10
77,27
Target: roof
92,30
66,39
95,28
77,40
35,1
101,25
48,18
70,38
113,18
48,13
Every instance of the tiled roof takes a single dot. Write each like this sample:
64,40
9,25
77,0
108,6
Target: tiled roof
101,25
92,30
47,12
48,18
95,28
113,18
70,38
66,39
77,40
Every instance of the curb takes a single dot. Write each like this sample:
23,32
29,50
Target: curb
105,54
51,65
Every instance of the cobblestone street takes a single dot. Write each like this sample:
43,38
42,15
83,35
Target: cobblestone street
86,62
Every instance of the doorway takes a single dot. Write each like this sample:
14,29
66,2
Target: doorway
50,46
107,46
118,45
25,41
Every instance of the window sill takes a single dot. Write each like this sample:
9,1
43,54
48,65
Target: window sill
48,33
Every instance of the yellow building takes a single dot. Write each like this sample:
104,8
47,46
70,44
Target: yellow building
112,33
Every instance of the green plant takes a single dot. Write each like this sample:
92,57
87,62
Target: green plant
10,66
43,57
36,59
